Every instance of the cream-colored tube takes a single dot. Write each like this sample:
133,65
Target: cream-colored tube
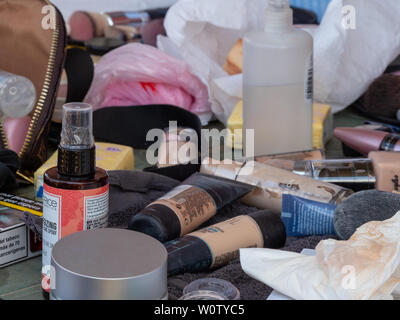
273,182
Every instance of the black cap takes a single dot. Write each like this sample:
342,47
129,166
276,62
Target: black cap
157,221
272,228
76,163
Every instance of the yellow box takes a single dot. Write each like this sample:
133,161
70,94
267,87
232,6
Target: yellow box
322,126
108,156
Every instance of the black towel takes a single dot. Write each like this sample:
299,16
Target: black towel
131,191
9,164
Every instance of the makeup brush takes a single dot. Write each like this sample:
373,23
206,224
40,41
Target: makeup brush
362,207
383,97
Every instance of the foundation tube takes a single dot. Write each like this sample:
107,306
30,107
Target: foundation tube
273,182
187,206
219,244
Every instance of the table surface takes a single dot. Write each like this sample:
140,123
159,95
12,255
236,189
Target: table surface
22,281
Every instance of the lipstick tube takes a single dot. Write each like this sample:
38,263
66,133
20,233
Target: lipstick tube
365,141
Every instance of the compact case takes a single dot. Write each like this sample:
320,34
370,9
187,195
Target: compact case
33,45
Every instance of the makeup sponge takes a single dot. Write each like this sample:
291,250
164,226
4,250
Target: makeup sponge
362,207
383,96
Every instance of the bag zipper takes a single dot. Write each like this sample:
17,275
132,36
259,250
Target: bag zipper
43,95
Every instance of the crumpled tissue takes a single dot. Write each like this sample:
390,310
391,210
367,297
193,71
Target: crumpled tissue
364,267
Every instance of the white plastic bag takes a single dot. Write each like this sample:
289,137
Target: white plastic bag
346,60
364,267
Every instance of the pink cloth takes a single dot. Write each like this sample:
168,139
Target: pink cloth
137,74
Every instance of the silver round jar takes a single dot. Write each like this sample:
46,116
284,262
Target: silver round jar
108,264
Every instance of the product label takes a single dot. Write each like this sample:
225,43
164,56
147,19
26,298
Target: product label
226,238
309,83
70,211
193,206
303,217
13,245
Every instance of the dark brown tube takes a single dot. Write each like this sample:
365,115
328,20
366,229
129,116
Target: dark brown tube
187,206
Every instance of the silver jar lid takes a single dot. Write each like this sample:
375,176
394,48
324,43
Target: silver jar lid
108,264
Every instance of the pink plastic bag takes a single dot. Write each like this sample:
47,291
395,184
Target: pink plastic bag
137,74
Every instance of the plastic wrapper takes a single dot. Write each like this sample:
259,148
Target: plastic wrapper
137,74
203,32
364,267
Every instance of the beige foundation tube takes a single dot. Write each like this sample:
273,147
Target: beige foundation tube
273,182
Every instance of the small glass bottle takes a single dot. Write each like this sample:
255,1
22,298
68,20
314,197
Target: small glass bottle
75,193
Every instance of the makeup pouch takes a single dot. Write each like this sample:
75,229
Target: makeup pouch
33,45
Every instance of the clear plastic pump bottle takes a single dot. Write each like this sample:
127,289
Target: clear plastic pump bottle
278,83
75,192
17,95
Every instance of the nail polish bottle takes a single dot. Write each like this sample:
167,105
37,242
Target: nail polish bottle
75,193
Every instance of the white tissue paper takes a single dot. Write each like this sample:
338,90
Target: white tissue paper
364,267
346,60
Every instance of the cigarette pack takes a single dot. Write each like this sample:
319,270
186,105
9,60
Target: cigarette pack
17,241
